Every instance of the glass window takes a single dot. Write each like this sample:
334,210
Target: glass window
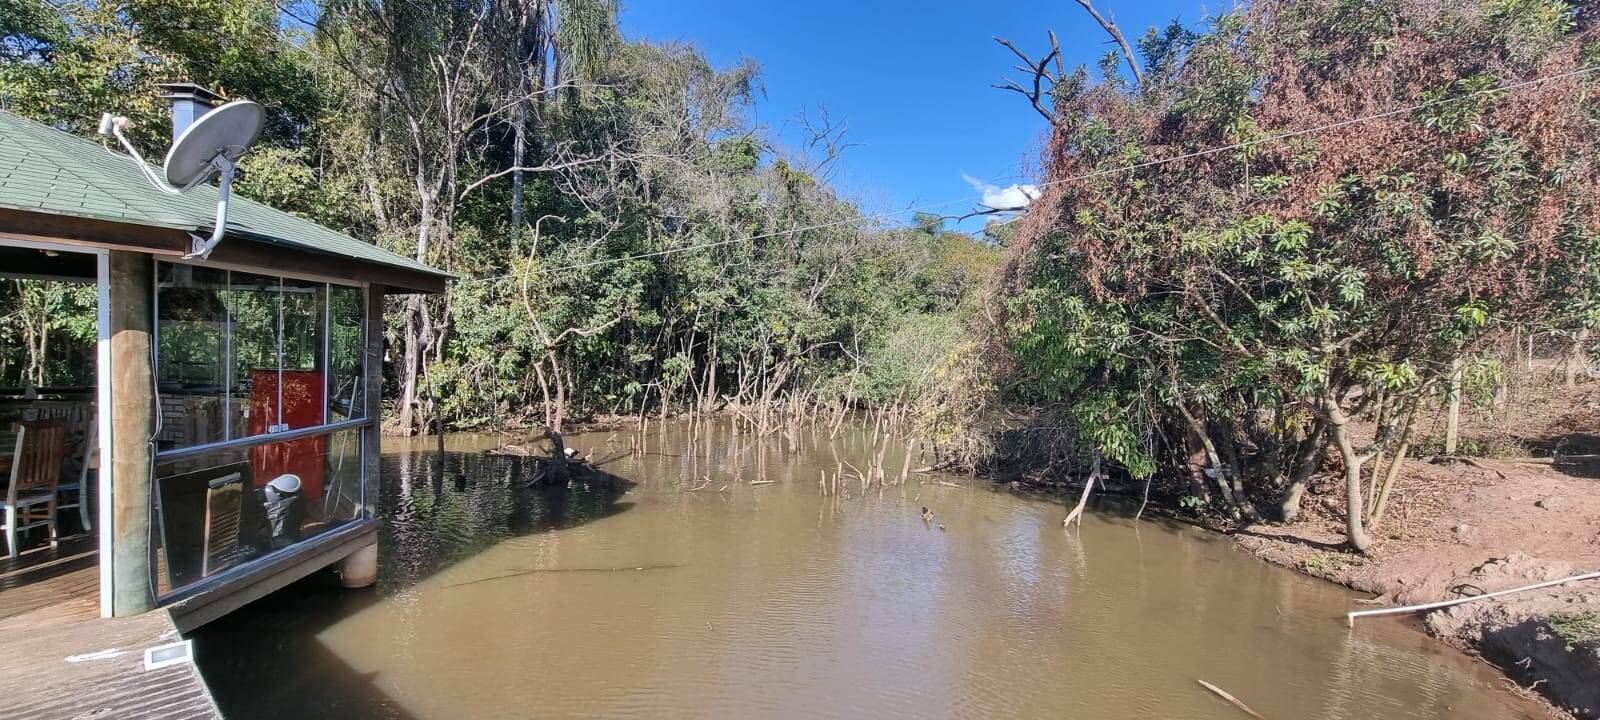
346,353
300,385
224,508
192,372
243,356
253,302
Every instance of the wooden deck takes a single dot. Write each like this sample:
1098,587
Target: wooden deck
62,660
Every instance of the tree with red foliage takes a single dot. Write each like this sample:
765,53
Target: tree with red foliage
1298,219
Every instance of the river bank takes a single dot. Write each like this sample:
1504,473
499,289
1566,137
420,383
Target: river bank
1472,529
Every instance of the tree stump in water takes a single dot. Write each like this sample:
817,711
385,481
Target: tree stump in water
557,471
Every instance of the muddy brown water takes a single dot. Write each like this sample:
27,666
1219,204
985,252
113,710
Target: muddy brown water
655,599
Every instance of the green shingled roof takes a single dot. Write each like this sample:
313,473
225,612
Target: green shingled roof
45,170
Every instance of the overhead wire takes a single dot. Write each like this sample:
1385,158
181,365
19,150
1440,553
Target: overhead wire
1278,137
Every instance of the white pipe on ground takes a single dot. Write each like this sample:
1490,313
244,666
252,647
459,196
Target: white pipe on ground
1351,616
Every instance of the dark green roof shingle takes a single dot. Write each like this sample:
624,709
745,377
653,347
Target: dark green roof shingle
45,170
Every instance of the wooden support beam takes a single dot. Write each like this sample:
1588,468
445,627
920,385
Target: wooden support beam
372,436
132,420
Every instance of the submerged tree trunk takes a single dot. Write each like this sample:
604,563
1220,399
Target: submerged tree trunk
411,357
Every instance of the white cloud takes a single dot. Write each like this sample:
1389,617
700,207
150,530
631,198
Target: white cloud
1012,197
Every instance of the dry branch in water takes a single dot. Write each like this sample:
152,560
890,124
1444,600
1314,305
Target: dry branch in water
1083,500
1231,699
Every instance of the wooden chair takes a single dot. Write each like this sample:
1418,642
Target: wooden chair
79,490
35,476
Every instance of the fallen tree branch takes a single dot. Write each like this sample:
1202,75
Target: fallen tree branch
1559,460
1231,699
1465,461
1083,500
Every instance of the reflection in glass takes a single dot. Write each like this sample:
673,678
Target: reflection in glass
222,509
346,311
253,302
192,355
302,380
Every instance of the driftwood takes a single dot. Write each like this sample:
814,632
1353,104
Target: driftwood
1083,500
1231,699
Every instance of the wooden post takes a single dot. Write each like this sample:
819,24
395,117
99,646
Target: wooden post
372,435
1452,420
132,421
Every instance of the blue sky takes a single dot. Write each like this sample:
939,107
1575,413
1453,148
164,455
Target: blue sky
911,79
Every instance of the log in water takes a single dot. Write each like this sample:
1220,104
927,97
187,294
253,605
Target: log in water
794,599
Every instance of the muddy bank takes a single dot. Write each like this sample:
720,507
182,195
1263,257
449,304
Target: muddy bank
1466,530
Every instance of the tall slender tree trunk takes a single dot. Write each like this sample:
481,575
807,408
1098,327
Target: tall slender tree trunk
1306,460
519,145
1355,527
1577,359
1381,502
1452,420
408,366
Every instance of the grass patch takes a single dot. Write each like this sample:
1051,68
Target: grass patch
1576,627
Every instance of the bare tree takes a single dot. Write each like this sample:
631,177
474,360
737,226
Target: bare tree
1110,26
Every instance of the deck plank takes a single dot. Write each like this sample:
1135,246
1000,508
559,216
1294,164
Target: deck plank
62,660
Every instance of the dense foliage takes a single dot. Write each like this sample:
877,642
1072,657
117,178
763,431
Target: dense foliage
1238,310
627,240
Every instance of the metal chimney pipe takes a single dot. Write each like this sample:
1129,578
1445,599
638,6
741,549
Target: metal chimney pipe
189,102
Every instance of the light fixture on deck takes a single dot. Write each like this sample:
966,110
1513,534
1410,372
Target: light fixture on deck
209,147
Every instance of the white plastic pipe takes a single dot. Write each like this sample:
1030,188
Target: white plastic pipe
115,125
1351,616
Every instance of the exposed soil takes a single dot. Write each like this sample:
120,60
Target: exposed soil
1469,528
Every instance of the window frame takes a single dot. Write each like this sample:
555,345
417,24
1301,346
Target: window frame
228,371
364,425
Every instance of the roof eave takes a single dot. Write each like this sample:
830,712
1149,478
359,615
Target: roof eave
247,250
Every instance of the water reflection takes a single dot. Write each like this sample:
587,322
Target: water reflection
695,593
268,661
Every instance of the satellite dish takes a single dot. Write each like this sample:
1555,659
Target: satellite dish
224,132
208,148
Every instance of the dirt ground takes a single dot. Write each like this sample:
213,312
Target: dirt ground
1464,529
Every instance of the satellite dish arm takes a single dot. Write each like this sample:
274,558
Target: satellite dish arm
202,248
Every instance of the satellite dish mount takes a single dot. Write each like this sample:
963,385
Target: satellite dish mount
209,147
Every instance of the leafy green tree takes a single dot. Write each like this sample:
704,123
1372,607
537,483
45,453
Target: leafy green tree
1238,311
